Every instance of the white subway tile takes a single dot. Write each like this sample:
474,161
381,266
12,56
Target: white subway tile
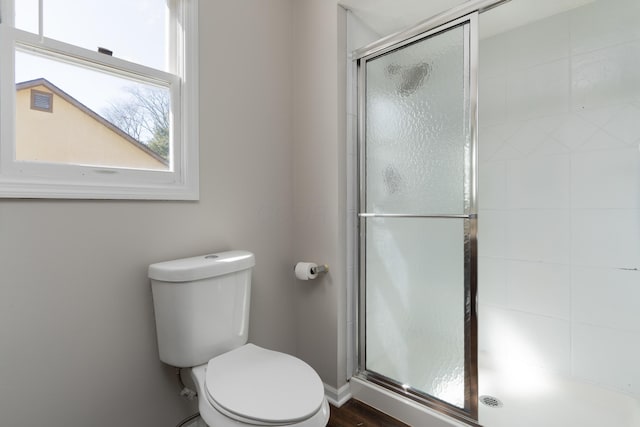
543,265
492,185
539,235
492,138
492,281
545,342
529,136
491,323
493,57
523,338
599,116
539,91
551,148
606,179
606,76
492,233
601,140
507,152
539,288
492,95
574,131
604,23
607,356
606,297
625,124
540,182
538,43
606,237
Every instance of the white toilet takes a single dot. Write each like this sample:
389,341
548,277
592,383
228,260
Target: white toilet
202,320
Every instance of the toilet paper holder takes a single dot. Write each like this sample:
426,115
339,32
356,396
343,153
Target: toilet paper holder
309,270
320,268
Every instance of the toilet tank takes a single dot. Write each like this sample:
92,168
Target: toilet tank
201,306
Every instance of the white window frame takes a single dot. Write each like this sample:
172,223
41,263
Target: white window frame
47,180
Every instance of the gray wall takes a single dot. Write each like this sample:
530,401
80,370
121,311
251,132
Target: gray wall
319,172
77,339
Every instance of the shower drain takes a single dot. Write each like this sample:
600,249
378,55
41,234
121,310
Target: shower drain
491,401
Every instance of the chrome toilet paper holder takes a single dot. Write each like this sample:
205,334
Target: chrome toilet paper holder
305,270
320,268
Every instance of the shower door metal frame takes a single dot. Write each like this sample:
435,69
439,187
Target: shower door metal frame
467,17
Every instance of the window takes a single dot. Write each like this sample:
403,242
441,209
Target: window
99,107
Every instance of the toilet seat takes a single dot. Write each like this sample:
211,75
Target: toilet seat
254,386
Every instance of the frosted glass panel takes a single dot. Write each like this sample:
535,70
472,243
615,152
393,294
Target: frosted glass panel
417,127
415,303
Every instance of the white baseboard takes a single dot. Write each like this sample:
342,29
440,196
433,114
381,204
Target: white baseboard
337,397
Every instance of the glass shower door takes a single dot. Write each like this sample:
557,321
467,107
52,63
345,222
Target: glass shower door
417,218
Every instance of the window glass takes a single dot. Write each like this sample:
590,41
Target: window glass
26,14
139,36
97,119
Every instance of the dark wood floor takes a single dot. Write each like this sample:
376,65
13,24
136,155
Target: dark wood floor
356,414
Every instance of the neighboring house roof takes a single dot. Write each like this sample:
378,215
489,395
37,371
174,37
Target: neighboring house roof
59,92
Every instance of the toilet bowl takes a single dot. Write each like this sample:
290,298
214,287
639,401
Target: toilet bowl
255,386
201,307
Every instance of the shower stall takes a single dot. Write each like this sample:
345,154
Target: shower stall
498,213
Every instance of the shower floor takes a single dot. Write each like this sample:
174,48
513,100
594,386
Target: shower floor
533,398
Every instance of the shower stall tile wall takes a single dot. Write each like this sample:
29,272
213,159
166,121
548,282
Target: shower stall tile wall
559,221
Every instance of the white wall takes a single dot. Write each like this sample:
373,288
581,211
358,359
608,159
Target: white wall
559,228
77,338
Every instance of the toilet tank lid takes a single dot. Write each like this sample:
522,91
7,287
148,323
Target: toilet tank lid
201,267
